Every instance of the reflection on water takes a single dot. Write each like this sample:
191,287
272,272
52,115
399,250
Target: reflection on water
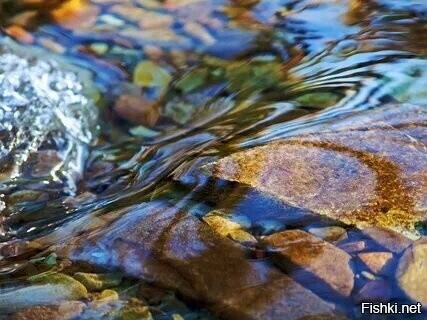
337,85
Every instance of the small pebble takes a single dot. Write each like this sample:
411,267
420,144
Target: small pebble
330,234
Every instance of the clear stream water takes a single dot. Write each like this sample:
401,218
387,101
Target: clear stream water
220,77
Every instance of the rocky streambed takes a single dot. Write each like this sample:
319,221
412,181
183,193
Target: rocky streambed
220,261
193,159
350,172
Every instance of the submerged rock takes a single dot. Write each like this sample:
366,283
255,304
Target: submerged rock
47,289
353,246
310,259
411,273
107,296
365,169
137,110
227,228
282,298
186,255
98,281
135,312
329,234
389,239
377,262
63,311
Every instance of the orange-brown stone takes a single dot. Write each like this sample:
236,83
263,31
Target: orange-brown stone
377,262
310,259
367,169
175,250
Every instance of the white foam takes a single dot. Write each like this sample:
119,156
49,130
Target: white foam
40,103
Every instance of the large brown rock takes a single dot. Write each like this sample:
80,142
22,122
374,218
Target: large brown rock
412,272
312,260
367,169
172,249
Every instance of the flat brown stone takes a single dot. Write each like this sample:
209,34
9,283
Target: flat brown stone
353,247
377,262
411,273
137,110
389,239
174,250
367,169
291,301
299,253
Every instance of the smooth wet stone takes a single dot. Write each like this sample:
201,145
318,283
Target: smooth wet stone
244,238
218,221
186,255
329,234
364,169
283,298
228,228
389,239
146,19
63,311
135,312
20,34
107,296
377,262
137,110
148,74
98,281
353,246
47,289
411,272
312,261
